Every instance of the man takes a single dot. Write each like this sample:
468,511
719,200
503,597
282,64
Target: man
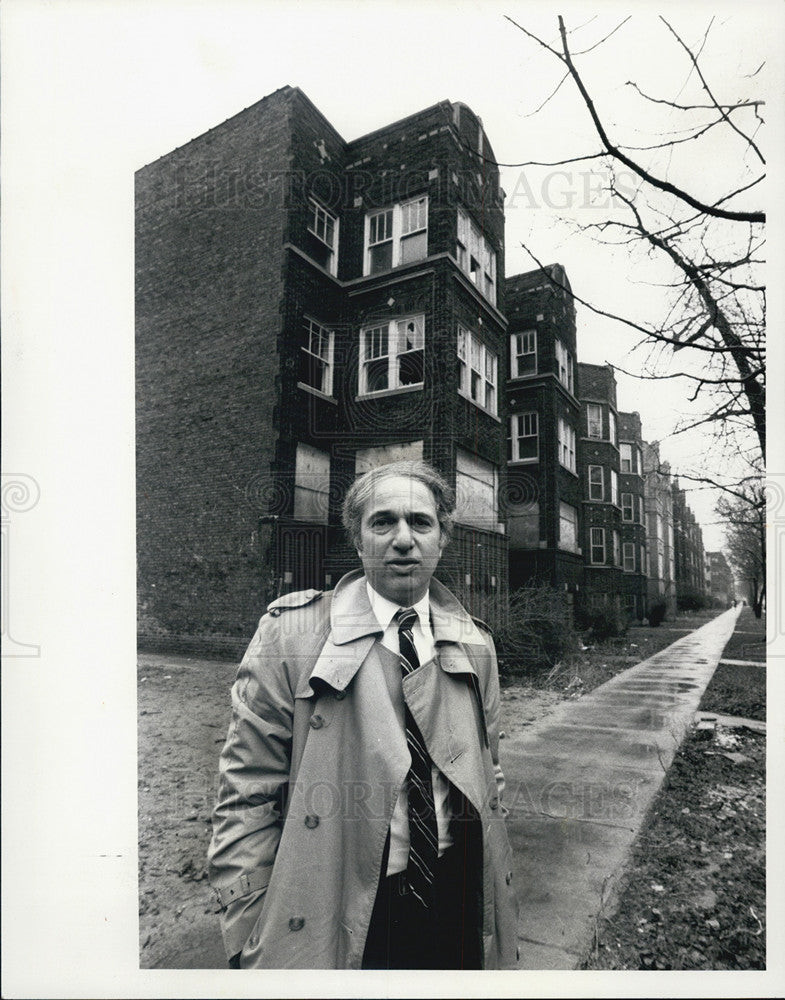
358,822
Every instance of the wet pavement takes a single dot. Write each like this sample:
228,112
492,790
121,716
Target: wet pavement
579,786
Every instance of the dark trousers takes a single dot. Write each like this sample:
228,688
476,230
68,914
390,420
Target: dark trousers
403,934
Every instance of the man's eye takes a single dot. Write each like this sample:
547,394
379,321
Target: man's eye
422,522
380,522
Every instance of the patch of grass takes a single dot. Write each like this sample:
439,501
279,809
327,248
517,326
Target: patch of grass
737,690
748,641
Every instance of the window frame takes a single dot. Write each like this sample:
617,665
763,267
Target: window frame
396,235
625,446
631,518
515,438
315,207
614,487
474,239
564,360
597,545
616,543
590,423
628,557
514,354
612,427
568,444
392,327
474,343
591,484
329,361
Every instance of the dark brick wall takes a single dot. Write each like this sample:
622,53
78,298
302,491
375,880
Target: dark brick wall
208,296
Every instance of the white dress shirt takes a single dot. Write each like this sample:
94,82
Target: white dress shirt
385,611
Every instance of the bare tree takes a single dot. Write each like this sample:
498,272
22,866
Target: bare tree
746,539
713,325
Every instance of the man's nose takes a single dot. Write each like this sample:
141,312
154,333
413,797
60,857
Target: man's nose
403,535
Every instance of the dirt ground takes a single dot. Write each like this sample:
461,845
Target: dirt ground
695,895
184,713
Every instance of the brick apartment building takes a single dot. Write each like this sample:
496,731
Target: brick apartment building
633,516
599,471
659,529
719,579
308,308
543,487
688,553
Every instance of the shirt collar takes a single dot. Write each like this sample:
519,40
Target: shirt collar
385,610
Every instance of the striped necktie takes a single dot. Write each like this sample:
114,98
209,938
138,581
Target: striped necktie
423,834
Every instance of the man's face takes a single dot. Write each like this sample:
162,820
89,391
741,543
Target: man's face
400,539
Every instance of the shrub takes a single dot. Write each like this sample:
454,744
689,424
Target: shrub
538,630
690,599
657,613
605,623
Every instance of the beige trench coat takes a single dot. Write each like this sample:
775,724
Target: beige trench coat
311,770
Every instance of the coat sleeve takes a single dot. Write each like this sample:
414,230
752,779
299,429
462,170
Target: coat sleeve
254,773
492,705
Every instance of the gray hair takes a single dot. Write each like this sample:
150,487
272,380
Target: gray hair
361,490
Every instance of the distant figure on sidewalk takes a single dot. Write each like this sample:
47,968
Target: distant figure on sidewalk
359,821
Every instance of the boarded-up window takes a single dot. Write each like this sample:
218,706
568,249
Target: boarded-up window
371,458
311,484
476,486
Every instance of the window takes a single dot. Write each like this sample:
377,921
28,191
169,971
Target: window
476,491
391,355
614,487
643,563
523,354
626,457
626,506
523,440
476,257
316,358
568,527
641,519
596,483
566,445
477,366
598,545
564,362
612,425
323,225
616,549
311,484
639,455
397,235
594,418
630,606
629,557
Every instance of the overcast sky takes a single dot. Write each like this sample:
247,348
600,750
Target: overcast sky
91,91
108,87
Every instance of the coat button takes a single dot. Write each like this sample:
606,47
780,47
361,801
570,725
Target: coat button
340,695
508,878
317,721
311,822
296,923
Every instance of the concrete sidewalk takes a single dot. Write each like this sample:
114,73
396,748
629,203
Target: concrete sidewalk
579,786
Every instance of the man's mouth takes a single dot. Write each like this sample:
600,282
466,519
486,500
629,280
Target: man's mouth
403,563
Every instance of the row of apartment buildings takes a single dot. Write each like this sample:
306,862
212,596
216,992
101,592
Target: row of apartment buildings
308,308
